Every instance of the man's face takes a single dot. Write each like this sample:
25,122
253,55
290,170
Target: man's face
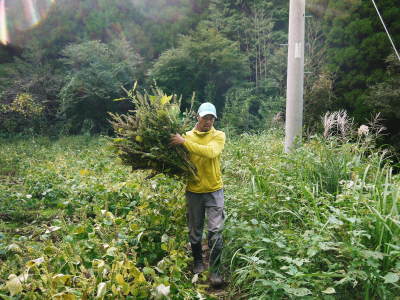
205,123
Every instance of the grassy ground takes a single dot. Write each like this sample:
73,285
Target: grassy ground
321,223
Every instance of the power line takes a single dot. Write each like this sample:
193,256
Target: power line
387,32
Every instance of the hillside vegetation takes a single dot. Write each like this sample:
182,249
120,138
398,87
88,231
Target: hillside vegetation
231,53
320,223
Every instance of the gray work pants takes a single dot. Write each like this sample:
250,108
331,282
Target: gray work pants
212,205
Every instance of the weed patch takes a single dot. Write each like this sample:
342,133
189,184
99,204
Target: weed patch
320,223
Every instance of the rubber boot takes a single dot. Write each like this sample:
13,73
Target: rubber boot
215,260
198,265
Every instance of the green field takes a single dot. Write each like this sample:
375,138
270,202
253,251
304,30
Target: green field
320,223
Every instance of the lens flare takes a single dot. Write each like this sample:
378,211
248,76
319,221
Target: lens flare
31,13
34,12
18,16
4,39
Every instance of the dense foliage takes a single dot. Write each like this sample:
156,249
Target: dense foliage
98,73
357,48
222,50
384,98
319,223
143,135
75,225
206,63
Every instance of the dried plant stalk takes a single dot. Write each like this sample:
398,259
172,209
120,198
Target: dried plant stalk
337,123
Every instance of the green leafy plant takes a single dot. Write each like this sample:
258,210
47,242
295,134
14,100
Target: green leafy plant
96,73
318,223
23,114
112,234
74,224
143,136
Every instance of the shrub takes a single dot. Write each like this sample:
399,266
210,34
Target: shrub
24,114
245,110
97,72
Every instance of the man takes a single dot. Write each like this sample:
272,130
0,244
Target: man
204,194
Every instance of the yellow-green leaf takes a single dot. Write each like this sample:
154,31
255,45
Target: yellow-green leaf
120,99
110,215
118,140
80,229
84,172
139,139
64,296
165,99
114,289
149,271
13,248
34,262
98,263
61,278
120,279
111,251
140,278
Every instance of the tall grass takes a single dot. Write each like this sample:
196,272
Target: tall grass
321,222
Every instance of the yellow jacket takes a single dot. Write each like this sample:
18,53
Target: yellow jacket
205,153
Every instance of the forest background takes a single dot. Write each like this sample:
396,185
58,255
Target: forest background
61,69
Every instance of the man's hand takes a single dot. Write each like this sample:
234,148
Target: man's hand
177,139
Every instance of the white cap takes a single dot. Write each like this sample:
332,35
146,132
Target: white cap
207,108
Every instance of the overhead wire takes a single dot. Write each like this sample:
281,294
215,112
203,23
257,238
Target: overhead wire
387,32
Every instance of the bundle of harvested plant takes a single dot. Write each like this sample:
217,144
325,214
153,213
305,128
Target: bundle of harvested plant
143,135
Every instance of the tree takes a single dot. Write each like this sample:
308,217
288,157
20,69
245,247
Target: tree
246,109
357,49
260,27
384,98
35,74
97,72
205,63
24,114
318,82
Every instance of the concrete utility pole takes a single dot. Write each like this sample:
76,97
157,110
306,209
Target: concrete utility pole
295,75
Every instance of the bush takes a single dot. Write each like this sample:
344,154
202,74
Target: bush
24,114
97,73
247,110
34,73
